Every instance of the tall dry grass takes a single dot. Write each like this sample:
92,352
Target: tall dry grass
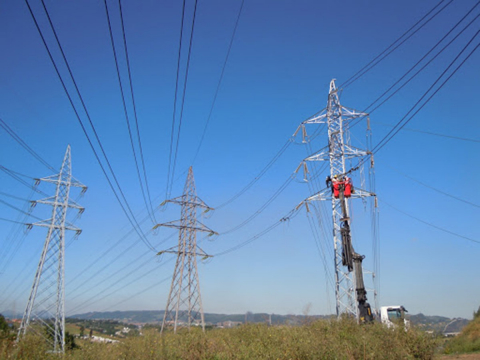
325,339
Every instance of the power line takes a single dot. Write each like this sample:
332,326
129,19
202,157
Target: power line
183,95
135,112
14,197
131,220
431,133
394,131
13,221
430,224
219,82
419,61
125,106
19,140
372,63
259,175
175,104
263,207
434,188
19,210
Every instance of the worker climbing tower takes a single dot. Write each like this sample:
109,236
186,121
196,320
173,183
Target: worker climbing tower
184,304
45,311
349,288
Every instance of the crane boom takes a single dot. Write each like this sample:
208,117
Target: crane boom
351,259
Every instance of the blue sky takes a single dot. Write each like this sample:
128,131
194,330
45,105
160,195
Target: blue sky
283,57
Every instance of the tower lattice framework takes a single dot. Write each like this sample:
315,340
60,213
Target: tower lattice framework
45,310
337,152
184,304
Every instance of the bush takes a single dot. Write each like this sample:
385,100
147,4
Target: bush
324,339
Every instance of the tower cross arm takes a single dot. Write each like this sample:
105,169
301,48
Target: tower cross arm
55,179
326,194
191,200
48,224
351,114
51,201
178,224
176,250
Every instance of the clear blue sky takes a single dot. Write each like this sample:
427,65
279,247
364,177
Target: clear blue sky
283,57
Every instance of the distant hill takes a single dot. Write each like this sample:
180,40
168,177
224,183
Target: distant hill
154,316
438,324
469,339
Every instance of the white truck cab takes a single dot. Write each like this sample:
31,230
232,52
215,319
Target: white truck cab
393,316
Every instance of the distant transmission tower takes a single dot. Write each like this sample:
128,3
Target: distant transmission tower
339,150
184,303
45,311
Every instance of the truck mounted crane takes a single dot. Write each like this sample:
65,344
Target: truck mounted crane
342,189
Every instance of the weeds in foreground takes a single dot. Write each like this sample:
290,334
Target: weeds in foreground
324,339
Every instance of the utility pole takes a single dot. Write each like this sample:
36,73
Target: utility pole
45,311
184,302
337,152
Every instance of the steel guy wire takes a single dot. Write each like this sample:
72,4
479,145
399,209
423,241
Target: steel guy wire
368,67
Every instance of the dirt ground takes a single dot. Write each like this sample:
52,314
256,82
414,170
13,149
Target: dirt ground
475,356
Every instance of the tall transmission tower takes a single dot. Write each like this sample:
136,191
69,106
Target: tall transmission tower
184,304
45,311
337,152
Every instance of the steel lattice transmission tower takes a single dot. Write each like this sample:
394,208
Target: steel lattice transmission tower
184,303
337,152
45,311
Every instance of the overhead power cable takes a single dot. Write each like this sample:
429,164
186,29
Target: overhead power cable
19,140
95,299
12,221
419,61
434,188
19,210
431,133
430,224
138,293
259,175
135,111
392,46
289,216
219,82
129,214
112,41
174,117
185,82
405,121
16,176
263,207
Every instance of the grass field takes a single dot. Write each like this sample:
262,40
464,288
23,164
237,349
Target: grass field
324,339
